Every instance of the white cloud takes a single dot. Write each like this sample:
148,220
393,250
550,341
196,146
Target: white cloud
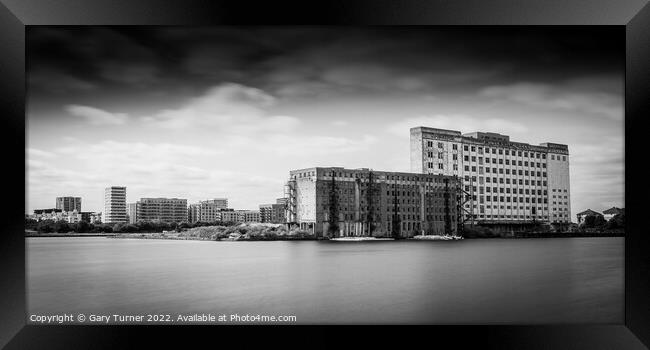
558,97
96,116
340,123
462,123
226,108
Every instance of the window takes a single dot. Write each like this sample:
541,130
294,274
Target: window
500,161
466,158
552,157
564,158
455,166
473,168
440,166
440,145
500,151
441,155
454,146
466,168
473,158
473,148
465,148
455,156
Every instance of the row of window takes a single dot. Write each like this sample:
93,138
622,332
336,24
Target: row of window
507,152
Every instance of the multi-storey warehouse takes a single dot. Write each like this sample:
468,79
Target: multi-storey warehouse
336,202
508,183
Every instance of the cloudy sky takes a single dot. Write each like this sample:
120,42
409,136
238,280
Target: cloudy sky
200,113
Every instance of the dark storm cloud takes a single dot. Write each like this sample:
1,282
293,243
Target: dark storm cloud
308,61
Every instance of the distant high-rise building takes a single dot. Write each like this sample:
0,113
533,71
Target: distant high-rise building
115,205
68,203
132,213
161,209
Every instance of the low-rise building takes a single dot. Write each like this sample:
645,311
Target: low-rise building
582,215
611,212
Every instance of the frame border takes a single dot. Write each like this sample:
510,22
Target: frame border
634,15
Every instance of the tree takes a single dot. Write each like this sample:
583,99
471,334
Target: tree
61,226
616,222
82,227
594,221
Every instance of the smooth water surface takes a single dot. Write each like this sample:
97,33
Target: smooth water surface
532,281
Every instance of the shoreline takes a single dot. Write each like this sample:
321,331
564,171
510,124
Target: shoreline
259,239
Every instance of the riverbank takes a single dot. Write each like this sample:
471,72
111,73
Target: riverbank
180,237
70,234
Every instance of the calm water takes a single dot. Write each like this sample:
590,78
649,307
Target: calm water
570,280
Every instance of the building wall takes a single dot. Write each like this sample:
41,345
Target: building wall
132,213
266,212
367,206
115,205
559,187
68,203
507,182
162,209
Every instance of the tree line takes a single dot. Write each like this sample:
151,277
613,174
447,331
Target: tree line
62,226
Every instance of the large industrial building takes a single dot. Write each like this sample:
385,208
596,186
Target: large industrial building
506,183
161,209
115,205
68,203
371,203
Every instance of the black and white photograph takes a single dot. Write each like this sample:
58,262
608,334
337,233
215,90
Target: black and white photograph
324,175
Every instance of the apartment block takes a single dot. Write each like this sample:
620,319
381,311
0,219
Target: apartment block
68,203
115,205
161,209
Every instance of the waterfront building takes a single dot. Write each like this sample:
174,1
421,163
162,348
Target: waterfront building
210,210
132,213
96,218
68,203
229,215
248,215
161,209
68,216
507,184
611,212
193,213
266,212
582,215
364,202
46,211
115,205
278,211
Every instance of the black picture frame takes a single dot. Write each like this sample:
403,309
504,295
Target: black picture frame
633,15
